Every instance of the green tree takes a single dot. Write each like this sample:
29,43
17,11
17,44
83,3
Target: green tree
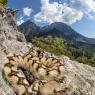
59,46
82,59
55,45
92,60
3,3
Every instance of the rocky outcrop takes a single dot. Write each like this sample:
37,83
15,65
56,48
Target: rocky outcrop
77,77
10,41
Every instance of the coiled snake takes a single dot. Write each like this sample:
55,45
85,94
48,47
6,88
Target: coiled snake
46,71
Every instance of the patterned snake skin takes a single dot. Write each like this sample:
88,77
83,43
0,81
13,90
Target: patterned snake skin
46,72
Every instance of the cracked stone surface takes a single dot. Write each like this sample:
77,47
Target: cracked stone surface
78,78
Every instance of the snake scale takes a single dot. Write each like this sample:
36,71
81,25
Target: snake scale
45,69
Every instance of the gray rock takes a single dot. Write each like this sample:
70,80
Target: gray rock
11,41
77,77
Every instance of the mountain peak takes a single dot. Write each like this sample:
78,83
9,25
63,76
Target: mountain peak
31,28
66,31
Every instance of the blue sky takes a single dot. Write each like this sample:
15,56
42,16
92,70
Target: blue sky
79,14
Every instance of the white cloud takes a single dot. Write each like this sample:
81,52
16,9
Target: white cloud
20,21
27,11
26,14
68,12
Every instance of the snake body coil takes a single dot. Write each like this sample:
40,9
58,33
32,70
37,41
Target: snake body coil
46,71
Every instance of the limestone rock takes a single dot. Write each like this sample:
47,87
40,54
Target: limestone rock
78,78
11,41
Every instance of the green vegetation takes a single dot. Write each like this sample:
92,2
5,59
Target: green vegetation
80,52
3,3
54,45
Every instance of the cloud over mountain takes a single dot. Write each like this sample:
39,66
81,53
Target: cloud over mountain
27,11
68,12
20,21
26,15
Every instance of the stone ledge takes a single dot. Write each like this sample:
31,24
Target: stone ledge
4,12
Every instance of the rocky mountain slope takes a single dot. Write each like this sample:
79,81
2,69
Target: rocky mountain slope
77,77
68,33
57,29
31,29
79,47
11,41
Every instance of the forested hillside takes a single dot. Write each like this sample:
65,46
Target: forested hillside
81,52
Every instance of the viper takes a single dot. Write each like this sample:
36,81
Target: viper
46,70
